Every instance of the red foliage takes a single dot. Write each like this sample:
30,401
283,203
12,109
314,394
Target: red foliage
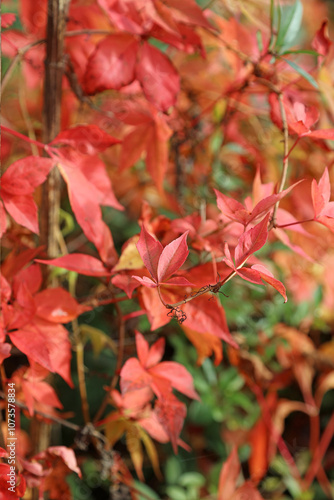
162,105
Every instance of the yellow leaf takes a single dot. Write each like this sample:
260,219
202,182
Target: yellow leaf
134,446
151,451
98,339
115,429
130,258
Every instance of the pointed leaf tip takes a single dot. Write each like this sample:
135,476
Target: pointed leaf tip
172,257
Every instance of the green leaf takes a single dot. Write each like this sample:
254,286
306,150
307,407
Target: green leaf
259,40
192,479
172,469
67,221
309,52
147,492
176,493
289,28
302,73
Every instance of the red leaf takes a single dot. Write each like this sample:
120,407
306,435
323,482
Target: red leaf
321,193
39,391
327,133
231,208
24,175
229,475
7,19
172,257
251,241
56,336
133,145
268,203
124,15
158,77
147,371
4,351
31,341
86,139
133,376
300,118
258,273
112,65
85,199
239,213
188,12
155,310
57,306
171,414
321,43
66,454
47,344
179,281
78,262
125,283
17,260
204,319
145,281
3,219
143,348
150,251
157,150
23,209
177,375
154,355
32,278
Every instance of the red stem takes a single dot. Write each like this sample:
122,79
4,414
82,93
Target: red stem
293,147
24,137
320,452
279,441
293,223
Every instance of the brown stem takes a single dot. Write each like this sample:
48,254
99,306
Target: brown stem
97,301
58,420
209,288
56,24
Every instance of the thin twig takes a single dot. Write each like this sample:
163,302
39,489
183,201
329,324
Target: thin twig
26,117
285,157
89,32
24,137
209,288
20,53
96,302
282,226
58,420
